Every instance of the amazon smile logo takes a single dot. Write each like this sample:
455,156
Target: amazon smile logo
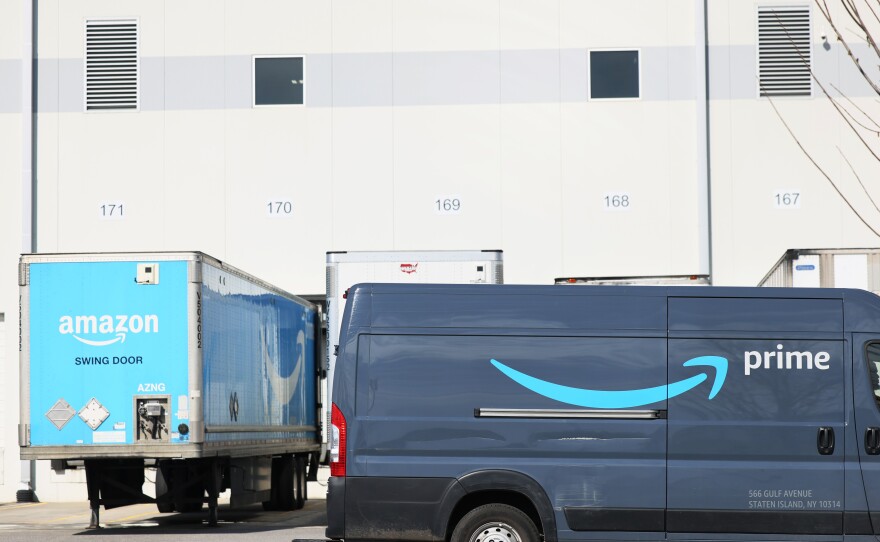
118,325
624,398
284,387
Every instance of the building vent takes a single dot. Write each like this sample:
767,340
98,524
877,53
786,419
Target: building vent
784,51
111,64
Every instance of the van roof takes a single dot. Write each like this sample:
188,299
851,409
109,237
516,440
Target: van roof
647,308
603,290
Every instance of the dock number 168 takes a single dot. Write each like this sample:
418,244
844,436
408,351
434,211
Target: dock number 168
616,201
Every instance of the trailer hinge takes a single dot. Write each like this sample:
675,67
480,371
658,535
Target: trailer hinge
195,271
24,274
24,434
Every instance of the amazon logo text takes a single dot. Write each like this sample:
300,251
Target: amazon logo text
780,359
120,325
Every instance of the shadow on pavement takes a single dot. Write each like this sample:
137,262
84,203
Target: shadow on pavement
231,521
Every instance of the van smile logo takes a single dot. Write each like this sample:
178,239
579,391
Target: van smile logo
623,398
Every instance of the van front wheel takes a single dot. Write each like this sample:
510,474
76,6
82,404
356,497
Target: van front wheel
495,523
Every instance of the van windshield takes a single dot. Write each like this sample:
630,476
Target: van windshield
873,356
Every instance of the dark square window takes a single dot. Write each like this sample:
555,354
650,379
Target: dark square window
278,80
614,74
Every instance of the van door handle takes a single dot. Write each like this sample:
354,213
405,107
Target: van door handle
825,440
872,440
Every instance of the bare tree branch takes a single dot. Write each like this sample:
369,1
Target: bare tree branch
870,125
864,27
822,171
875,130
865,190
837,107
823,7
873,12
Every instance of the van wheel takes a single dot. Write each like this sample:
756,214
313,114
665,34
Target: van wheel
495,523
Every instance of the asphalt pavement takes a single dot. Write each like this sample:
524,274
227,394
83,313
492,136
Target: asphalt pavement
67,521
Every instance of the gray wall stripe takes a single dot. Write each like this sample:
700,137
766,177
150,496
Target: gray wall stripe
421,79
10,85
375,79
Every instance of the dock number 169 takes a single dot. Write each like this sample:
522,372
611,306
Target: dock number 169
447,205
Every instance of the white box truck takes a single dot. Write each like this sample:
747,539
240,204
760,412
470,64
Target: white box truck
827,268
345,269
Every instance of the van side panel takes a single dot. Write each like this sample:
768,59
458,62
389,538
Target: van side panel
756,314
751,459
488,309
418,405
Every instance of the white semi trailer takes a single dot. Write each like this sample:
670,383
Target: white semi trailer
345,269
827,268
640,280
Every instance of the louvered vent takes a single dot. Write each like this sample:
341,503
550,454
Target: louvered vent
111,64
784,51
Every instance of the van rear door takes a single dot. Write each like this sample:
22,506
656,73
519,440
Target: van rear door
758,446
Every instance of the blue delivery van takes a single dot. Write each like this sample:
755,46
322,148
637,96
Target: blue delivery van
527,413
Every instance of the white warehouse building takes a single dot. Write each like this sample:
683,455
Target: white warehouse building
582,138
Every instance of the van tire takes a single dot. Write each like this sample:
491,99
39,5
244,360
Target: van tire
508,523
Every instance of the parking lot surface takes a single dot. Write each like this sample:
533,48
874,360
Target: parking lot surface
33,522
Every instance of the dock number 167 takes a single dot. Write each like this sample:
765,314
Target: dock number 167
787,199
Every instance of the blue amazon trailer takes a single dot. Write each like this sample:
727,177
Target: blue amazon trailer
174,361
539,413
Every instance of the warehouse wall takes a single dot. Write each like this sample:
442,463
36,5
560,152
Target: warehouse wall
11,39
406,103
754,157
